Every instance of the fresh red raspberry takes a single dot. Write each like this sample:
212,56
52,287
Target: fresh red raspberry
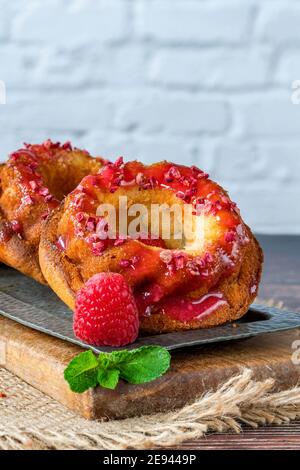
105,311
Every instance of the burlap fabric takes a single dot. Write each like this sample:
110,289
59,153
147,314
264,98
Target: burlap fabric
31,420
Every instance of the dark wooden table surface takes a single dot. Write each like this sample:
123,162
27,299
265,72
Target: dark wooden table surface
281,282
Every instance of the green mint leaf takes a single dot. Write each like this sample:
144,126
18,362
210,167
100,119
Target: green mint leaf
113,359
136,366
108,378
81,373
144,364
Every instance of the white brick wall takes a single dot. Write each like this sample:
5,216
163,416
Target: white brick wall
194,81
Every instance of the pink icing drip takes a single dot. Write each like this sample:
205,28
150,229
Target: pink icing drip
61,243
183,309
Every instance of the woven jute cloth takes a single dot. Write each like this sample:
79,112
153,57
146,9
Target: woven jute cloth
31,420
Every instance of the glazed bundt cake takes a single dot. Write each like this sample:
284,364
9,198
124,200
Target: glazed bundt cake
33,182
198,278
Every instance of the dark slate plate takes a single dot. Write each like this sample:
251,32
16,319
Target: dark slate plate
31,304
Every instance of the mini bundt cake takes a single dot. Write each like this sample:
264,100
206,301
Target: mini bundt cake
33,182
178,282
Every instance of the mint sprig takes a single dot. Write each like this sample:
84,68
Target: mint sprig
136,366
81,372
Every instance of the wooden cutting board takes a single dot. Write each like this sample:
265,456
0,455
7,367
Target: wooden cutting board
40,360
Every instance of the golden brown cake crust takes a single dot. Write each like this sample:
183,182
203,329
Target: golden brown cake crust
236,289
61,274
66,272
33,180
53,262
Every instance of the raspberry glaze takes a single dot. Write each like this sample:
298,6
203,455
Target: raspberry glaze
33,182
154,272
25,165
27,168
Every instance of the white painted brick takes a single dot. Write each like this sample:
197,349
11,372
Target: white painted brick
63,69
193,21
147,149
174,115
236,161
269,211
279,23
275,117
281,162
56,111
108,145
4,19
151,150
211,68
99,65
11,140
271,163
8,10
72,24
18,65
288,67
123,66
191,81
